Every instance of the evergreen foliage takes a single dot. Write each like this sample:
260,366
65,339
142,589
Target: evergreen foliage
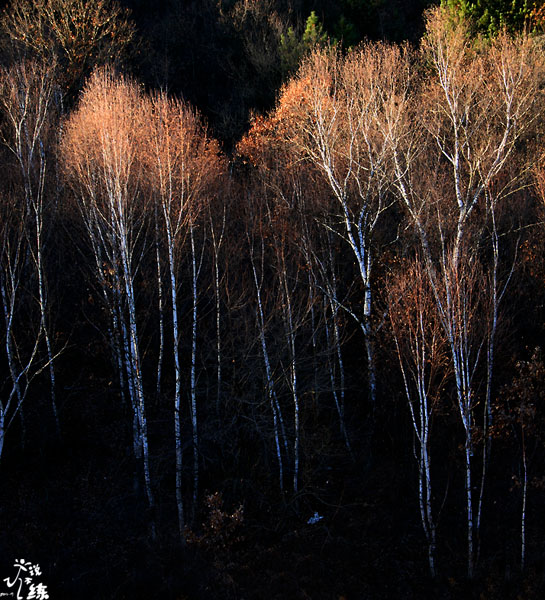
492,16
293,47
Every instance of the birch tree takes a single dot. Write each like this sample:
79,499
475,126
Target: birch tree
292,199
22,332
296,301
100,149
217,222
183,164
335,111
420,348
459,135
257,254
29,107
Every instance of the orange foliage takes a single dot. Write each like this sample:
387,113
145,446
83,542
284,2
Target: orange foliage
182,162
102,137
120,143
269,139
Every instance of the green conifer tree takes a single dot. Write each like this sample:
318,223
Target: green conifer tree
491,16
293,47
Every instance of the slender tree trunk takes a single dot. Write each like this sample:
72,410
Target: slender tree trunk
428,516
269,378
218,333
313,337
290,336
296,420
117,353
469,505
193,383
118,317
160,307
337,391
371,366
37,206
2,430
359,243
334,303
342,386
135,362
216,249
177,379
421,426
523,512
9,308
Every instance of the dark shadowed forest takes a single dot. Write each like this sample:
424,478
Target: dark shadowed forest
272,283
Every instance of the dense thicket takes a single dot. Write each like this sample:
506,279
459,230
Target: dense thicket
305,361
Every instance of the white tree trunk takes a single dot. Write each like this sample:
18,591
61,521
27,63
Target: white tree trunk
193,378
523,511
2,430
160,307
290,338
271,394
177,375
